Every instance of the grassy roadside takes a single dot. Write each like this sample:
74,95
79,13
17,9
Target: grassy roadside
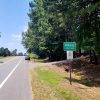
46,85
1,57
39,60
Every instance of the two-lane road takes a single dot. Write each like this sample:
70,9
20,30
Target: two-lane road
14,80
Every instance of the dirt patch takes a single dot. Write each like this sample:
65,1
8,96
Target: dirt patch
85,79
46,85
86,92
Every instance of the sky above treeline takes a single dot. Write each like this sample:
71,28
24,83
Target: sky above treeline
13,21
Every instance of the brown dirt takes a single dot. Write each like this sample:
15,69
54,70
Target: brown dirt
87,92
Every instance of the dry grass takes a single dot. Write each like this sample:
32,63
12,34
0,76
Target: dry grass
52,83
46,85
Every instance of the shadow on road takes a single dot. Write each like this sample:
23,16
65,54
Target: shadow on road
1,62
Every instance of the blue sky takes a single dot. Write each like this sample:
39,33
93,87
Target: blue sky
13,21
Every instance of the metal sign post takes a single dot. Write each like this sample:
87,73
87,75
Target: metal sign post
69,59
69,47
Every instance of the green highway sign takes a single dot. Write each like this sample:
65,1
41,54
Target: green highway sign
69,46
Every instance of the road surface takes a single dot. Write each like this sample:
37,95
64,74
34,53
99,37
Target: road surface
14,79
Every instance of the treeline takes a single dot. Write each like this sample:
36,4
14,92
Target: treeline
54,21
6,52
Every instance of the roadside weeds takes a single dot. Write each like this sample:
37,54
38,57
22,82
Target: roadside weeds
46,86
52,83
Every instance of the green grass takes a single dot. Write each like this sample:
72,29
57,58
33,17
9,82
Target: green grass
1,57
50,77
66,94
53,79
38,60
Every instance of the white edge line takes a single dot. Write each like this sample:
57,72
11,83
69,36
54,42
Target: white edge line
5,80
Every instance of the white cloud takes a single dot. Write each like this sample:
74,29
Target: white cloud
10,44
17,37
25,28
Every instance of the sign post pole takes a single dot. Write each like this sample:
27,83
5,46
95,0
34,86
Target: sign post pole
70,69
69,59
69,47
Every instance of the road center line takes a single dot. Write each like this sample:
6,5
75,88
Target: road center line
5,80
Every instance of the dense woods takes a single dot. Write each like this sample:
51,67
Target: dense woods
53,22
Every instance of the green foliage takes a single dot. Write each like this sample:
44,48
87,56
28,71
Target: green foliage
33,56
14,52
87,26
54,21
4,52
20,54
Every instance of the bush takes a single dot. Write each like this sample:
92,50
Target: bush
33,56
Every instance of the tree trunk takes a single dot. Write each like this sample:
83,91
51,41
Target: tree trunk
99,57
74,54
90,56
95,58
80,52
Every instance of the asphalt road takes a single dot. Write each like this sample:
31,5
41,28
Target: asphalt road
14,79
